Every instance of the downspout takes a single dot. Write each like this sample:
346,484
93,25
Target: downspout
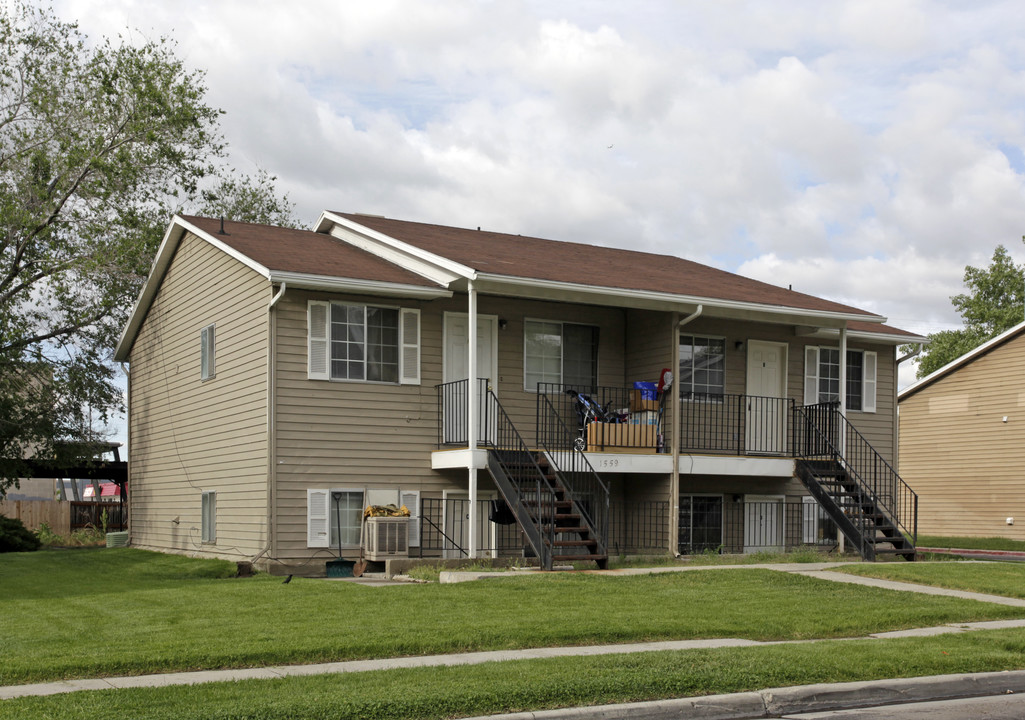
128,454
674,435
471,412
272,472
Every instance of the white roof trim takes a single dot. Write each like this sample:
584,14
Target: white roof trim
654,296
877,337
958,362
409,257
176,229
369,287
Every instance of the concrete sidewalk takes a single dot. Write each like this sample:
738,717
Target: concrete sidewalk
816,570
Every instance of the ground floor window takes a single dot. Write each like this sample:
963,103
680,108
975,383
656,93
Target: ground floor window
346,517
700,523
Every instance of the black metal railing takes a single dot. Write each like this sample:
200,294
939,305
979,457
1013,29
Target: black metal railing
637,423
755,526
639,527
445,530
453,406
827,436
525,487
589,493
735,424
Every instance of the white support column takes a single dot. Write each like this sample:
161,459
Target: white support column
471,412
843,371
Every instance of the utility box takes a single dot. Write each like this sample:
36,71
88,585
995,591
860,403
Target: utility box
386,537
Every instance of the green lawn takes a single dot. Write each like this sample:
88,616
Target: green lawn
996,578
970,543
538,684
83,613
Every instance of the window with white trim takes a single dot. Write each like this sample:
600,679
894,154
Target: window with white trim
207,368
367,343
702,366
562,353
346,517
208,517
822,377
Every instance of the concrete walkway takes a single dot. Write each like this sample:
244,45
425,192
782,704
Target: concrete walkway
816,570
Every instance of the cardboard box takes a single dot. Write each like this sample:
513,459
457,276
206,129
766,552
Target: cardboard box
639,404
621,438
644,417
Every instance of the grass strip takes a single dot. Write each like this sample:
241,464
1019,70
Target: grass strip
971,543
994,578
523,685
87,613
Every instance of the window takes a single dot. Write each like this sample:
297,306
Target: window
561,353
822,377
206,353
702,366
700,523
363,342
208,517
333,516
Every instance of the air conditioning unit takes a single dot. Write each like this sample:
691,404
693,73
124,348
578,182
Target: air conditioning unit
386,537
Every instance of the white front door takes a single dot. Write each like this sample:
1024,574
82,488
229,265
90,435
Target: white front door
456,367
766,410
763,523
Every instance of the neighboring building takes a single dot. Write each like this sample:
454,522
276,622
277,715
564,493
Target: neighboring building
281,380
962,442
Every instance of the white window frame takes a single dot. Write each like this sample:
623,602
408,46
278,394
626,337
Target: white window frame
869,376
678,381
562,354
208,517
207,352
318,342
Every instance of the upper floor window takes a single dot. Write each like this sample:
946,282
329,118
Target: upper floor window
562,353
363,342
822,377
702,366
207,368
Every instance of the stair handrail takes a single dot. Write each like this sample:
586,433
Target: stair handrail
508,441
902,492
578,476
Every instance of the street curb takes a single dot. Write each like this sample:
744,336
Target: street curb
776,702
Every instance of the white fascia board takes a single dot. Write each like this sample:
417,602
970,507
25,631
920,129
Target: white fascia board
878,338
512,284
168,246
426,264
736,466
350,285
958,362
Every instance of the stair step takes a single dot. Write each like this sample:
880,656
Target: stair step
575,543
573,558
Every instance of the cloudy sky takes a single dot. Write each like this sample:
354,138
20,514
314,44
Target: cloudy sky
862,151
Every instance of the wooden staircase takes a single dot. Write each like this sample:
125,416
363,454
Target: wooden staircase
859,515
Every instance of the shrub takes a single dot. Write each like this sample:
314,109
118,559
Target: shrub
15,537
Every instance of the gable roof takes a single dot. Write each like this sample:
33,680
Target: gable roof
969,357
374,255
530,258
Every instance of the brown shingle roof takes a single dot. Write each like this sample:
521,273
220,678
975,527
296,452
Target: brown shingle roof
536,258
306,252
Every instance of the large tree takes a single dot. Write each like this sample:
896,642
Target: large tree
100,143
993,303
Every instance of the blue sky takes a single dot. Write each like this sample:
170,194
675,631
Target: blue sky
863,151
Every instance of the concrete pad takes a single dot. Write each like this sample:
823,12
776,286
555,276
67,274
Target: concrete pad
52,688
919,632
739,706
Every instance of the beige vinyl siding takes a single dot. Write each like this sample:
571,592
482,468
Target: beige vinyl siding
959,455
188,435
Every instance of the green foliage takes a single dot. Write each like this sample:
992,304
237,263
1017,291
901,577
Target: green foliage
15,537
995,302
138,612
100,144
249,199
1007,579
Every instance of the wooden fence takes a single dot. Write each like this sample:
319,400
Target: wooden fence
33,513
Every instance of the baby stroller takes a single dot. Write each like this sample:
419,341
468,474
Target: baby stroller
589,411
